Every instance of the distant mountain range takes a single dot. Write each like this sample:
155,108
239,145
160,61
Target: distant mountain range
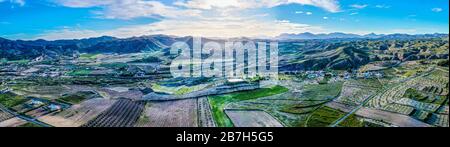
339,35
20,49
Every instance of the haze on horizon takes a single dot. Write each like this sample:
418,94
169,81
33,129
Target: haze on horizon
75,19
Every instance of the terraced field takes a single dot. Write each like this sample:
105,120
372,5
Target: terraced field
293,107
124,113
440,120
391,95
354,92
421,97
393,99
377,116
398,108
420,115
419,105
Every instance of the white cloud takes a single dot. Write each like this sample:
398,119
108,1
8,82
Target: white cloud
85,3
436,9
282,21
128,9
382,6
146,8
235,18
301,12
204,28
325,17
68,34
359,6
18,2
354,13
329,5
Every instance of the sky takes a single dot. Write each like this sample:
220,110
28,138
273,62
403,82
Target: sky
75,19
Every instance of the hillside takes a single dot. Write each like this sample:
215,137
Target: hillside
343,53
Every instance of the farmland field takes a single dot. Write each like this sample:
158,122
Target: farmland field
308,80
205,118
78,97
78,114
325,116
29,125
5,115
218,103
11,100
123,113
180,113
13,122
313,96
354,92
252,118
80,72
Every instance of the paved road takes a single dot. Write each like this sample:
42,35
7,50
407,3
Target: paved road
27,118
338,121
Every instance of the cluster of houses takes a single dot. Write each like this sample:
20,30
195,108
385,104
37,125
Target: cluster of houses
43,71
54,71
38,70
368,75
49,106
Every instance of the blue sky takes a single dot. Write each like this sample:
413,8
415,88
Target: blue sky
67,19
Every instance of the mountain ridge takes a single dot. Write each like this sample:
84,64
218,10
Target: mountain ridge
340,35
20,49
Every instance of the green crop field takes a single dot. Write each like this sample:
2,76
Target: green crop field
88,56
73,99
314,96
29,125
19,61
219,103
11,100
81,72
78,97
322,92
414,94
325,116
